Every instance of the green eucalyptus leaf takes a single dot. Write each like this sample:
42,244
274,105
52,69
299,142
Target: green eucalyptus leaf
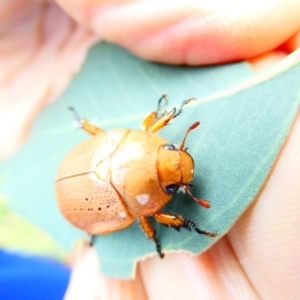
243,127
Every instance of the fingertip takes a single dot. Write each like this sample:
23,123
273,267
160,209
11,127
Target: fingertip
84,279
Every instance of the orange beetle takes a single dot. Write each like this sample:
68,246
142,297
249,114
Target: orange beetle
118,176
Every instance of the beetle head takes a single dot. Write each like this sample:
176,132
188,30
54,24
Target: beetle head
175,167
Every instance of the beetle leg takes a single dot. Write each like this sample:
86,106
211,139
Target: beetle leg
149,230
158,123
178,222
85,124
92,240
152,117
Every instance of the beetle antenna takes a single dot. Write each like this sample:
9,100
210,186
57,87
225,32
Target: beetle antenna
76,115
202,202
193,126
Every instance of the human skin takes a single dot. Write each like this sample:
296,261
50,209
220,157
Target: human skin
259,258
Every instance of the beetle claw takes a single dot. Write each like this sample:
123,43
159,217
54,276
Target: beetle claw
187,227
158,247
200,231
184,225
76,115
177,228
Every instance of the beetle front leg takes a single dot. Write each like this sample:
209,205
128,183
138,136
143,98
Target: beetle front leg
153,123
149,230
152,117
85,124
178,222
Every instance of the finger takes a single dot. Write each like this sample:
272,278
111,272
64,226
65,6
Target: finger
292,44
41,49
88,283
215,274
266,238
190,32
85,277
266,60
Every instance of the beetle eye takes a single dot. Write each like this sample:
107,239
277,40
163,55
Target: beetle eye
170,147
172,188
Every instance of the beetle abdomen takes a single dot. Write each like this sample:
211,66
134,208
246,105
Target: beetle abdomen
84,192
92,204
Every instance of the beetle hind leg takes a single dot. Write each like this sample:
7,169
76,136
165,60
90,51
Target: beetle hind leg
92,240
85,124
151,233
177,222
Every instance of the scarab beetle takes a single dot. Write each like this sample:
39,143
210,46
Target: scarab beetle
121,175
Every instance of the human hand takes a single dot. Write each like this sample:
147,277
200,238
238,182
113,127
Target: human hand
258,258
42,47
190,32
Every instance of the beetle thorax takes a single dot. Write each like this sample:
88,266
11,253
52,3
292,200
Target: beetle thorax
174,167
